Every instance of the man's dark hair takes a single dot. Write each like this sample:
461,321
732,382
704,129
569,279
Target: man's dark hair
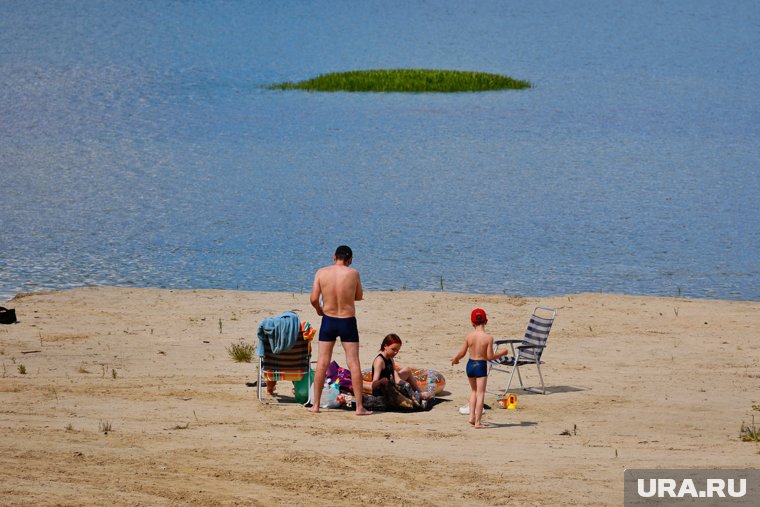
343,253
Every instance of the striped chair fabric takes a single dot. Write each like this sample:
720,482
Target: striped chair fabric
536,334
290,365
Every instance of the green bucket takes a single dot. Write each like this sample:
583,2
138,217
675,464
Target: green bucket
302,387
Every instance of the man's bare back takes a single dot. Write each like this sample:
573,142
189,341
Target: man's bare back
339,286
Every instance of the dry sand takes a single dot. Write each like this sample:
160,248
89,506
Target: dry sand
635,382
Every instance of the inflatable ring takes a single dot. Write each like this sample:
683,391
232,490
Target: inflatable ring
428,380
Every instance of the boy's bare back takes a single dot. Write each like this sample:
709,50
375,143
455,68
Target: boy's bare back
339,287
479,345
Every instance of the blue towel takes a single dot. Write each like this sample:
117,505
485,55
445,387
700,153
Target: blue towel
280,332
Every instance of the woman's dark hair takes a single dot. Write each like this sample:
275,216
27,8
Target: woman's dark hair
390,340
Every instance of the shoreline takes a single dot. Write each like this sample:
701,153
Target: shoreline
9,297
634,382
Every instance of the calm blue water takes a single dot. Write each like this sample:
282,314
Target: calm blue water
138,147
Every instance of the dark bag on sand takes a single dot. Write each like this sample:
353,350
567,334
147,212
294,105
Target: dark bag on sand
399,397
374,403
7,315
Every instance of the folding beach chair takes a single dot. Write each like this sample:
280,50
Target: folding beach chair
289,364
530,349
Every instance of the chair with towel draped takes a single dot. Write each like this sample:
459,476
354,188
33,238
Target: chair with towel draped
529,351
284,335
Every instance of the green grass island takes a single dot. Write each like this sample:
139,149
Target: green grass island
406,81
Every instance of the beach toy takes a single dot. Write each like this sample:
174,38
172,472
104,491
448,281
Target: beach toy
308,331
509,401
428,380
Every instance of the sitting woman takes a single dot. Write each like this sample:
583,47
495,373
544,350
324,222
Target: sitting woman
389,382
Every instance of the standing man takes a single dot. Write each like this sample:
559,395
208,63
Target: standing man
338,286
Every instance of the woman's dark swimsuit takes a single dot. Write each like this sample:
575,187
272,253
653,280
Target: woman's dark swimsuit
386,372
477,368
332,327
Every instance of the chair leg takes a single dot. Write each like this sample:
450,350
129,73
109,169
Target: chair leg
258,383
534,389
509,382
309,387
516,368
519,377
543,387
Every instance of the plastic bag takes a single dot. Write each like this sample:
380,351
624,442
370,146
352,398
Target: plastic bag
330,394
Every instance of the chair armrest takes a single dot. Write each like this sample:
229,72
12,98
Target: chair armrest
523,347
504,342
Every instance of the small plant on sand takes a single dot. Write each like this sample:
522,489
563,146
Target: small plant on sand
69,427
240,352
22,369
104,427
749,433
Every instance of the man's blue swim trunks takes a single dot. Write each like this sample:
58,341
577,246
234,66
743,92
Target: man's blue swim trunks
332,327
476,368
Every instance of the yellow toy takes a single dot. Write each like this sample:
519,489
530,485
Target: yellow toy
509,401
308,331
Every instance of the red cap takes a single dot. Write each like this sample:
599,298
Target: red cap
478,316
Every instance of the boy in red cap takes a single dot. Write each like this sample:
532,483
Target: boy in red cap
480,346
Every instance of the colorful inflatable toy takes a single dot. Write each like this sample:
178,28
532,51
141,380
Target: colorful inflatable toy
428,380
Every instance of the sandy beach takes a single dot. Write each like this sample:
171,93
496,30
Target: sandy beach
634,382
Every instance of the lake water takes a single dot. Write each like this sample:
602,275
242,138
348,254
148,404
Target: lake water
139,147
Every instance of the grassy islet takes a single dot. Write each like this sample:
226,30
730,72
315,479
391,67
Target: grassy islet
407,81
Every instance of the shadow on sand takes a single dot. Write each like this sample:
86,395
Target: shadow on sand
495,425
549,390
